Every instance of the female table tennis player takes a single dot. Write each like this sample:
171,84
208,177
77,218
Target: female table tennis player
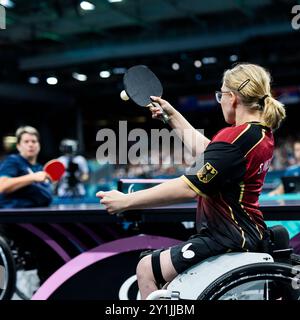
22,179
227,185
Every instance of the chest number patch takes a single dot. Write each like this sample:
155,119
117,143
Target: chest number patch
206,173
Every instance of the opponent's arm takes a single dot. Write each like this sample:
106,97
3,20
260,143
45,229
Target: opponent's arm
9,185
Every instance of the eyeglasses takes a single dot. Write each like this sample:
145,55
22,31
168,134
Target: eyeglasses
219,95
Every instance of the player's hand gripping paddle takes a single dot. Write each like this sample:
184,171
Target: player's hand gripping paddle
55,169
140,83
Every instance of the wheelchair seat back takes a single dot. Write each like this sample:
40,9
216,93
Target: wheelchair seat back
279,237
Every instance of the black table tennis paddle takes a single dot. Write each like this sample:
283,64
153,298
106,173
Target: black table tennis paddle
140,83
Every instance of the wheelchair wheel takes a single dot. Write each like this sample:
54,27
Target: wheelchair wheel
8,271
261,281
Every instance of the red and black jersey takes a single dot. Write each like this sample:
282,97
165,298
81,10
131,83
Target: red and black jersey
229,183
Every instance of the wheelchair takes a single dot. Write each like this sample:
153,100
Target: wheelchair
7,271
15,262
272,274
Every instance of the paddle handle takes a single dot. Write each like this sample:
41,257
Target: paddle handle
165,118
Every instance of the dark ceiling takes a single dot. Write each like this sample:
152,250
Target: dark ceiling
56,37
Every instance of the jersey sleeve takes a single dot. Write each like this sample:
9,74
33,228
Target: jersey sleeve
221,163
9,168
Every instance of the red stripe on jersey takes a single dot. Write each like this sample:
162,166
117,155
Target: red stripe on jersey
230,134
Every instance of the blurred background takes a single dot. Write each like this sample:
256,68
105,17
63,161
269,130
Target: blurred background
62,64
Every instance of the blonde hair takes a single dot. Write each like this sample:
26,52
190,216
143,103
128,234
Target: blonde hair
253,85
26,129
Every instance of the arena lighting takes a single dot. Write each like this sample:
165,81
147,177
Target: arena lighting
79,76
119,70
88,6
197,64
104,74
7,3
10,139
9,143
175,66
198,77
33,80
209,60
52,80
233,58
112,1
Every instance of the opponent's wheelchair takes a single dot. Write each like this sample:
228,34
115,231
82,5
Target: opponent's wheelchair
7,271
272,274
14,265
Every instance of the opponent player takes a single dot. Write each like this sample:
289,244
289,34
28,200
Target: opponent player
23,183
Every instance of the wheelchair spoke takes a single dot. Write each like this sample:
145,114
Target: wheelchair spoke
266,290
254,282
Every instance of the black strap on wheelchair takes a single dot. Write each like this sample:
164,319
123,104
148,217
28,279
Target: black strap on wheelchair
155,260
145,253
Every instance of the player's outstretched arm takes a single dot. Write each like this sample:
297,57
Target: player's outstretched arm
194,140
169,192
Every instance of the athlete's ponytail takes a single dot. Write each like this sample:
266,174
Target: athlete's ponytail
273,112
252,83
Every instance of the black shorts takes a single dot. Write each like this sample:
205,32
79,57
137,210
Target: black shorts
198,248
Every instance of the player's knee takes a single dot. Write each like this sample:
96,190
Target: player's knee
143,269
